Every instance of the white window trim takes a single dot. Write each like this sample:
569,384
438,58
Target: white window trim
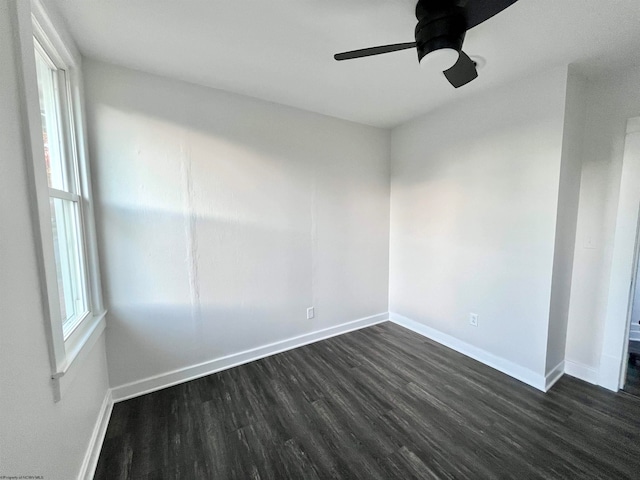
65,355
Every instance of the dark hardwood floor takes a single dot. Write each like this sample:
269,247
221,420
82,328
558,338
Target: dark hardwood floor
379,403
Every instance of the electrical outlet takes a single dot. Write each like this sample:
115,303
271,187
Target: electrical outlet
310,313
473,319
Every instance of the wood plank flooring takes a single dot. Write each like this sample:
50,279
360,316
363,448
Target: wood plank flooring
379,403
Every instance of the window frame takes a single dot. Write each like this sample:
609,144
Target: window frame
70,165
66,349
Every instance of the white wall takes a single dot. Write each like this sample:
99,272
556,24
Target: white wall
222,218
474,198
37,436
568,196
612,99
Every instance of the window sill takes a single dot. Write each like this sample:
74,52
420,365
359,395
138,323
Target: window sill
77,347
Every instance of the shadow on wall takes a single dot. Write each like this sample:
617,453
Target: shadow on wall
221,219
170,337
245,286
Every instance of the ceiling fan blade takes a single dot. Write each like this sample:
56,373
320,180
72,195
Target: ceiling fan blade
367,52
480,10
462,72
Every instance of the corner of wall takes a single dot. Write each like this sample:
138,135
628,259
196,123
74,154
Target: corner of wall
566,218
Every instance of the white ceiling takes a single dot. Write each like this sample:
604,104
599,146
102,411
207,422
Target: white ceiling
282,50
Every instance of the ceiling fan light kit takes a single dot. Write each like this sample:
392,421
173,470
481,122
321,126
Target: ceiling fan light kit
440,60
442,26
440,31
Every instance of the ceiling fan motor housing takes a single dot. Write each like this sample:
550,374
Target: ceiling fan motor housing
441,24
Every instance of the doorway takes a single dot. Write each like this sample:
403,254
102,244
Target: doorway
614,359
632,378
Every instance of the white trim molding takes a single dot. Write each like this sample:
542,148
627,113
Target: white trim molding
88,335
90,462
581,371
175,377
623,265
553,376
505,366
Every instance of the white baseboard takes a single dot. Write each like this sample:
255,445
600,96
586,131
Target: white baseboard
609,372
581,371
505,366
168,379
90,462
553,376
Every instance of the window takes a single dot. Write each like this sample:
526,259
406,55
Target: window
61,163
60,175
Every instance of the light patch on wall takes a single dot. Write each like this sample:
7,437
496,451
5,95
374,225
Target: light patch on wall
223,218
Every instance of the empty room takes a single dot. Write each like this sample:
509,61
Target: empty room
311,239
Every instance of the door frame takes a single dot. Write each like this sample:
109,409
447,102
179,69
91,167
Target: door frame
615,342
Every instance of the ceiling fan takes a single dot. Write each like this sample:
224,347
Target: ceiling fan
442,25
